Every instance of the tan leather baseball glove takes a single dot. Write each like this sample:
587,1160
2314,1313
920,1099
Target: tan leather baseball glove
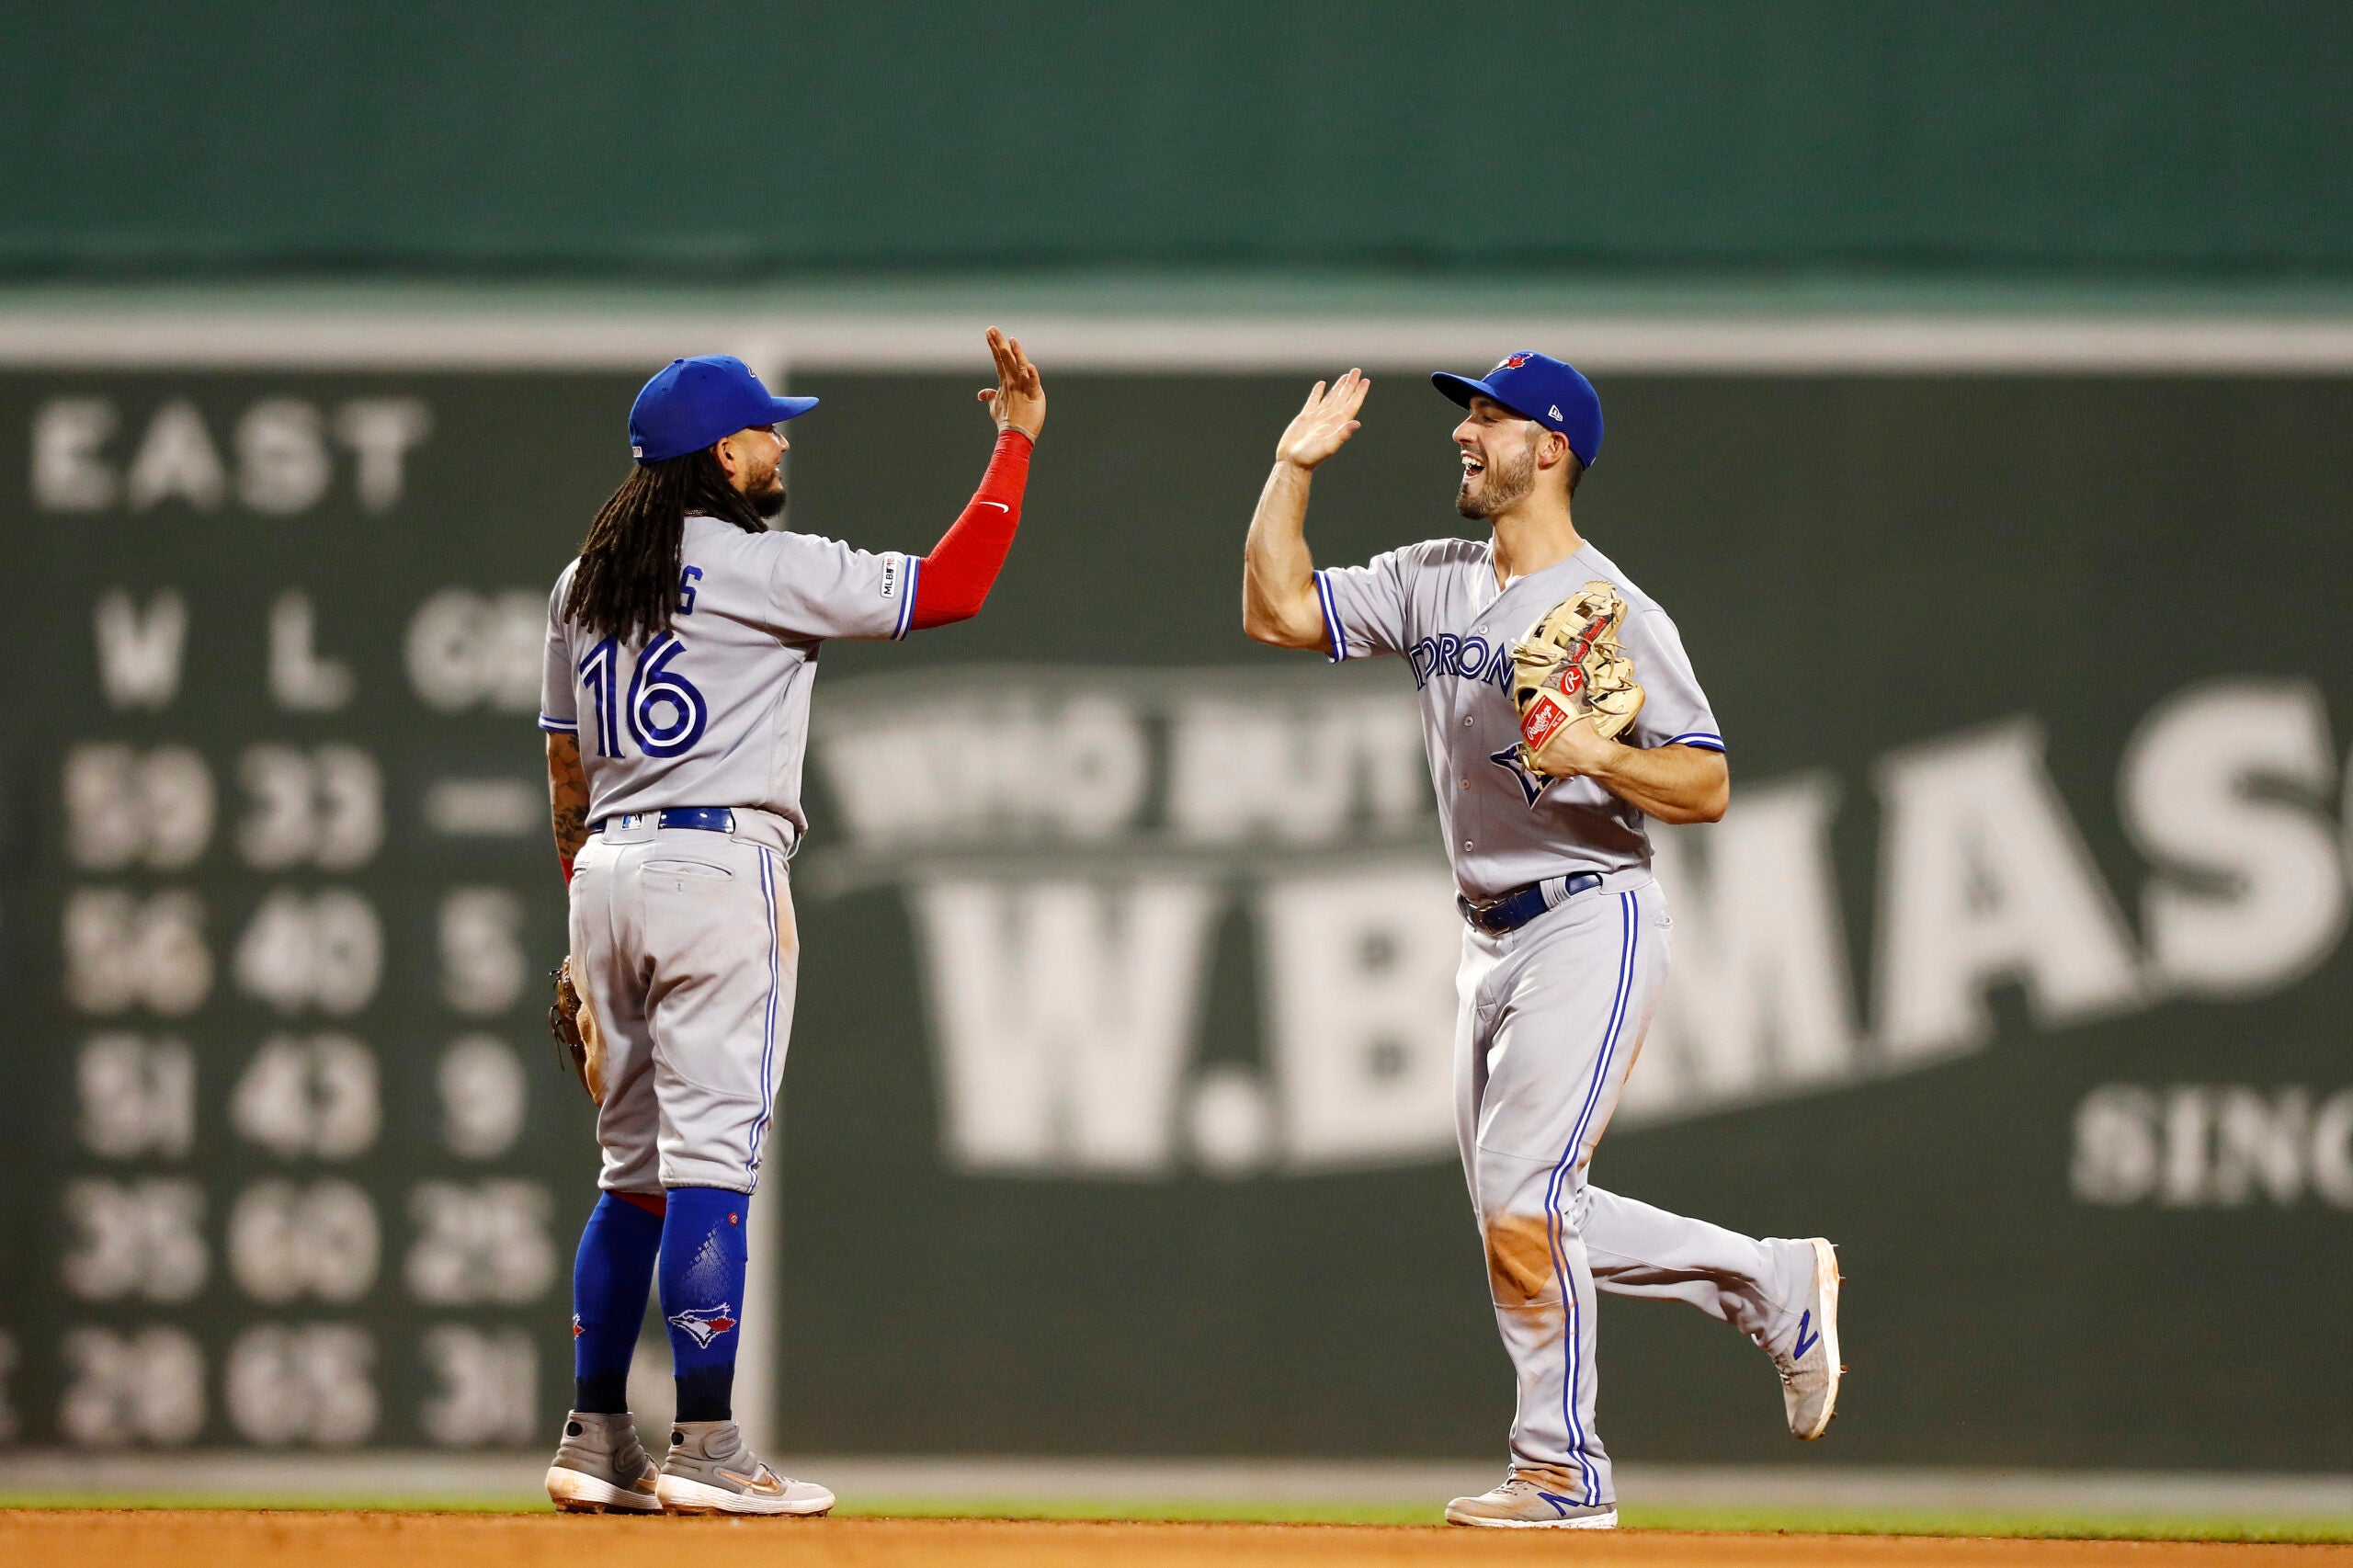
573,1024
1570,666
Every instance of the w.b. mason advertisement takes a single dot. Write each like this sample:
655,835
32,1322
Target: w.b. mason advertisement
1116,1116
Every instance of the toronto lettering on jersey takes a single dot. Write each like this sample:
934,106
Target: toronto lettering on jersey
1468,658
1061,908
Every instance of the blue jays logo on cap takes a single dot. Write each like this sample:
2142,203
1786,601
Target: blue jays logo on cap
1539,387
693,404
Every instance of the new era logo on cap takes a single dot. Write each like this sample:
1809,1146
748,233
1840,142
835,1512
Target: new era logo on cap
693,404
1539,387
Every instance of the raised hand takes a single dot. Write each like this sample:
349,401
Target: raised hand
1017,401
1324,422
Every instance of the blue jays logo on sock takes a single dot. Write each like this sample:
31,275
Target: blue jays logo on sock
1805,1343
703,1324
1532,784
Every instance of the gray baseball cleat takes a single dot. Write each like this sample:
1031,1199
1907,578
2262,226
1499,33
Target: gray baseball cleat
1809,1364
710,1470
1521,1503
601,1468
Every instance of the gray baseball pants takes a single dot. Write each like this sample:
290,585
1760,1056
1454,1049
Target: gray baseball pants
1552,1018
684,944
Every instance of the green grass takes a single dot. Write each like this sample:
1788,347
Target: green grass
308,1502
1834,1521
1230,1513
2047,1526
1797,1521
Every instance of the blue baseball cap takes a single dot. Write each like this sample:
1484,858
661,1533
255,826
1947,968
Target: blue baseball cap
693,404
1539,387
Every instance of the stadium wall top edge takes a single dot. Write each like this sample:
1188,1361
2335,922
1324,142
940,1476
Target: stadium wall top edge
1205,324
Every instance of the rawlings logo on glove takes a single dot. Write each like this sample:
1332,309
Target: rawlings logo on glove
1569,666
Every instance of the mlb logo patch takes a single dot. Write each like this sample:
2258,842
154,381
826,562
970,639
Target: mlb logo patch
703,1324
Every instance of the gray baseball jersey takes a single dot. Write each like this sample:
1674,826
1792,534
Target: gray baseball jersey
715,711
1436,604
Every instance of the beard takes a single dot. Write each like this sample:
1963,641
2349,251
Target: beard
769,499
1504,482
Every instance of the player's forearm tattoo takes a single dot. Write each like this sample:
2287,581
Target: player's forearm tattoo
567,795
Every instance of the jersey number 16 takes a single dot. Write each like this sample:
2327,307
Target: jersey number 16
663,711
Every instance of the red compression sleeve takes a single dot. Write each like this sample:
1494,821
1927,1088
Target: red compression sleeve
953,581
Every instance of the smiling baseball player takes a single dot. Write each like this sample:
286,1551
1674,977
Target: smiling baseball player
1559,712
681,648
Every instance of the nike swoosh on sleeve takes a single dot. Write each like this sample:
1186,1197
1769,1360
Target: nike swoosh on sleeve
999,506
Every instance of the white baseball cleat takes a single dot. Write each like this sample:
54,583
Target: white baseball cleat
1521,1503
1809,1364
601,1467
710,1470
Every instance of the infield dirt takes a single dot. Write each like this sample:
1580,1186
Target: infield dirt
34,1538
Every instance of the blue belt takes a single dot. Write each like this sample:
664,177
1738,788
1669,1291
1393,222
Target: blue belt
707,819
1520,905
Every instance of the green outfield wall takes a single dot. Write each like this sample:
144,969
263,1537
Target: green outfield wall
2169,139
1115,1117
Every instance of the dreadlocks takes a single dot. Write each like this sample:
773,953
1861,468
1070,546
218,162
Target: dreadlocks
627,585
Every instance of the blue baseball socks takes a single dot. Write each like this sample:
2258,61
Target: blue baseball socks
610,1276
702,1295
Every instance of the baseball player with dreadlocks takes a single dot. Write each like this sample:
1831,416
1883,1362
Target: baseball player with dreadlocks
1559,712
681,648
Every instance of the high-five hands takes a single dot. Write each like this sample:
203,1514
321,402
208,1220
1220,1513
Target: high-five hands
1017,401
1324,422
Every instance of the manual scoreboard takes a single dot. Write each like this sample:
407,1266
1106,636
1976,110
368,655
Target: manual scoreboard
287,1159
